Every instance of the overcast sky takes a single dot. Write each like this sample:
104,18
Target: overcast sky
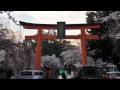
47,17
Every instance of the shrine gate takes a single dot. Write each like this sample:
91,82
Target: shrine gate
39,37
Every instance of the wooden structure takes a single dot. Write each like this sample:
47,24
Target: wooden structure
39,37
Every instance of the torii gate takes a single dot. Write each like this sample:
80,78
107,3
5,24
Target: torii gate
39,37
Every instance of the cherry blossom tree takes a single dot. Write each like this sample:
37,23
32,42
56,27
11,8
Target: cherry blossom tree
112,23
16,54
72,57
51,62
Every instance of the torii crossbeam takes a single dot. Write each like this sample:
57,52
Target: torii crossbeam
39,37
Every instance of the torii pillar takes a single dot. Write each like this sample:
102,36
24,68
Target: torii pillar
39,37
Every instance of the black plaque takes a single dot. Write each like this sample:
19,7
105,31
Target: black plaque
61,30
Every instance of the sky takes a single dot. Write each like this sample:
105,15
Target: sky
46,17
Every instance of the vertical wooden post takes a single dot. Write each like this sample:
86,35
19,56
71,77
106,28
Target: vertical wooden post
83,45
39,49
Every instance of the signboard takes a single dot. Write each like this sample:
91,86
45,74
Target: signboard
60,30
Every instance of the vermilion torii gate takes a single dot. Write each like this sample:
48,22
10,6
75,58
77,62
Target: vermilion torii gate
39,37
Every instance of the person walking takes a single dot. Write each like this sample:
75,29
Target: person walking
61,74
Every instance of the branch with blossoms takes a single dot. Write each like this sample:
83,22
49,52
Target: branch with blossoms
9,16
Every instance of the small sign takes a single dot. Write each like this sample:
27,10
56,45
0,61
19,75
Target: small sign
60,30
